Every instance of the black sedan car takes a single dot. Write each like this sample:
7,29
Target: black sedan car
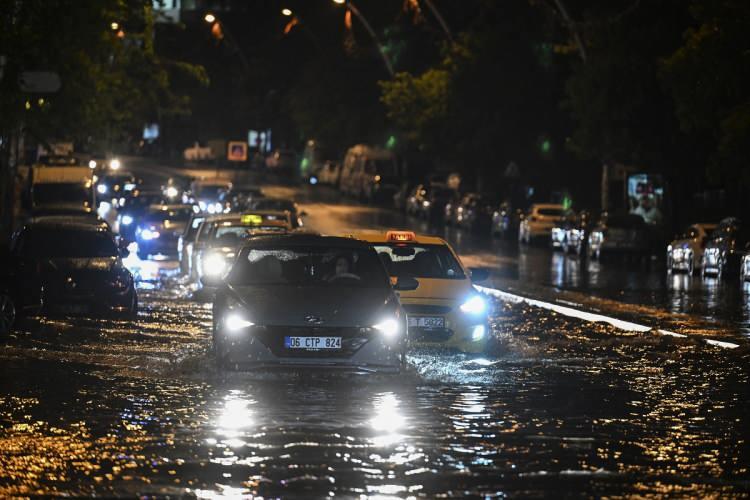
724,250
70,268
308,301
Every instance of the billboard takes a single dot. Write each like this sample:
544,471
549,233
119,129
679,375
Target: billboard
237,151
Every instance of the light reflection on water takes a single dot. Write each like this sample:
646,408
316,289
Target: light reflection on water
557,408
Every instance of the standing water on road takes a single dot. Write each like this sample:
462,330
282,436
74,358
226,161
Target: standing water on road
137,407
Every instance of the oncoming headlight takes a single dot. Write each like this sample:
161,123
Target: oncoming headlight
214,264
388,327
101,188
474,305
235,322
126,220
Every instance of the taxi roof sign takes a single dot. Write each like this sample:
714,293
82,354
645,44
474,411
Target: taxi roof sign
400,236
252,219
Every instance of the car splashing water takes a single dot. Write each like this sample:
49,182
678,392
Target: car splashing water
138,407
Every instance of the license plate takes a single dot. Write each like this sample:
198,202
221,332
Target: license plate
427,321
312,342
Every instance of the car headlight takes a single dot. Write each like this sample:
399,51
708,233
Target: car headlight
101,188
474,305
172,192
114,164
234,322
425,203
388,327
478,332
202,205
149,234
126,220
213,264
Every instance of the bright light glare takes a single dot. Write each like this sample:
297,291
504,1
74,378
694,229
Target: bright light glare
202,205
214,264
101,188
388,327
475,305
236,322
234,417
92,163
477,333
172,192
114,164
209,18
313,180
148,234
126,220
286,12
340,2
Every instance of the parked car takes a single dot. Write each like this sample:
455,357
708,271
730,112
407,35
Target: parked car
558,234
370,174
418,201
538,222
619,233
685,252
329,173
475,212
70,268
725,248
505,220
577,233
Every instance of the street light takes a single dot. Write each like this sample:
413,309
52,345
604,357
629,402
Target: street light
286,12
114,26
209,18
386,60
219,29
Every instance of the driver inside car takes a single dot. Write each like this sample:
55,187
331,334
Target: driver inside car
342,269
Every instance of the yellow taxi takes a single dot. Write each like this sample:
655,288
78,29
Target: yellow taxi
445,309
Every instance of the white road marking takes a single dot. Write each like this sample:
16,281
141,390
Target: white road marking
627,326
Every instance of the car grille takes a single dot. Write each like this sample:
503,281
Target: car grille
352,340
426,309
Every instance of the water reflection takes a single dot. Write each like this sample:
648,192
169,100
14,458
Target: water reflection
235,418
388,420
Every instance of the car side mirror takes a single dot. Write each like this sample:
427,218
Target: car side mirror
406,284
211,280
479,274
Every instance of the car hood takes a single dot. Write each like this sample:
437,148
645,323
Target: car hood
314,306
437,289
72,264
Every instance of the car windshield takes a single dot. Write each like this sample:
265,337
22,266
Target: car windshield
234,235
46,194
67,243
309,266
420,261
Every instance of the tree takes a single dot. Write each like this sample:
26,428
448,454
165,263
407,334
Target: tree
709,78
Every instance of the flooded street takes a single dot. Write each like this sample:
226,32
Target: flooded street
98,407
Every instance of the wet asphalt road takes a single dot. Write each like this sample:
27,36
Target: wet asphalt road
556,407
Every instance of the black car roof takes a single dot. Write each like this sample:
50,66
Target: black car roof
306,239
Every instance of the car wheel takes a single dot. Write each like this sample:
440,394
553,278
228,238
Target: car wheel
7,314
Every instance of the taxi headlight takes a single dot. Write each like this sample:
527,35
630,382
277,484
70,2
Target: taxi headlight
474,305
126,220
234,322
214,264
477,333
388,327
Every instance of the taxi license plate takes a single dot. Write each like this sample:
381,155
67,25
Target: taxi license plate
312,342
427,321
